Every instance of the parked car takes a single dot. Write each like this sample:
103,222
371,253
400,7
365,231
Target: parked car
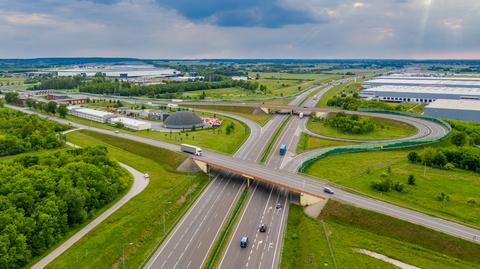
244,242
263,228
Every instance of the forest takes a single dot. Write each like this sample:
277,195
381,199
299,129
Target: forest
20,132
43,196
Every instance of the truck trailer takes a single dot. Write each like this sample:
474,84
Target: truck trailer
191,149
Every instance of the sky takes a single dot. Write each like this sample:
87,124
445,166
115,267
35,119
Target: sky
201,29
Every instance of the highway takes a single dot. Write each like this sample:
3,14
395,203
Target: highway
243,164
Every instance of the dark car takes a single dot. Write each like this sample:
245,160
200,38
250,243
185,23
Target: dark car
328,190
244,242
262,228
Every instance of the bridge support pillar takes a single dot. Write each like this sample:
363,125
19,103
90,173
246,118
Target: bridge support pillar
203,166
306,199
249,180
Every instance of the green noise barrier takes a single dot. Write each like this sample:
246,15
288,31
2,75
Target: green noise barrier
383,145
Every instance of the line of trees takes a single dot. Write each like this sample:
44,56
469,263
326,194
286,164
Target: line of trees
58,83
448,157
129,89
43,197
352,124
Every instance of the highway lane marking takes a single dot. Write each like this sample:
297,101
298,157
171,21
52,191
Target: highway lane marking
279,233
201,223
177,227
271,228
223,221
237,226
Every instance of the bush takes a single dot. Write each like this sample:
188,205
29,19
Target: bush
411,180
398,186
442,197
384,185
352,124
449,166
413,157
458,138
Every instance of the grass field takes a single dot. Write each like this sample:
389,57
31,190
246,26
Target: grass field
308,142
336,90
245,112
348,227
358,170
137,227
384,129
207,138
15,81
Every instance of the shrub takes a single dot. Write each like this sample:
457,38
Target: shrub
414,157
442,197
449,166
411,180
384,185
471,201
398,186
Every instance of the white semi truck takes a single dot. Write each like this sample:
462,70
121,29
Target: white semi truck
191,149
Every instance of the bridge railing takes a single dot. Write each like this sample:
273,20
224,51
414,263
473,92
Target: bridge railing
383,145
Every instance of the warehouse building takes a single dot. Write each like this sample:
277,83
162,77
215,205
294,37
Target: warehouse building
183,120
424,82
90,114
418,94
132,123
466,110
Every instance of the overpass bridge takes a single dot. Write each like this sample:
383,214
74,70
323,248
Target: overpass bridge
310,190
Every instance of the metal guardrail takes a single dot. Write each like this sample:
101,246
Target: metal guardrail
384,145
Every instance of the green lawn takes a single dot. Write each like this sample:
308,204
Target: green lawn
349,227
308,142
245,112
140,221
357,170
384,129
207,138
350,86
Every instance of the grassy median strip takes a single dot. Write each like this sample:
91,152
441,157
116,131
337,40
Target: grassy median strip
226,231
273,140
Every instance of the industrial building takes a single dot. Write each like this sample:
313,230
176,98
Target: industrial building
466,110
420,89
132,123
90,114
183,120
424,82
417,94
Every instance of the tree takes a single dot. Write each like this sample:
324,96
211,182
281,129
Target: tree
119,125
62,110
413,157
459,138
11,97
51,107
411,180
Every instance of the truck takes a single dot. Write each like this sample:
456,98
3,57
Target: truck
283,149
191,149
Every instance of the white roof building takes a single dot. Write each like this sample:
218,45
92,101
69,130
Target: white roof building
132,123
466,110
91,114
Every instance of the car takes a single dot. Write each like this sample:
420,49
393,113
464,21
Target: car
116,131
244,242
278,206
328,190
263,228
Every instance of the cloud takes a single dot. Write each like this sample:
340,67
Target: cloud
453,24
239,29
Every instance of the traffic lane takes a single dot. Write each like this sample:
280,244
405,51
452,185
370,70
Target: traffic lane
235,256
289,138
262,141
304,184
199,221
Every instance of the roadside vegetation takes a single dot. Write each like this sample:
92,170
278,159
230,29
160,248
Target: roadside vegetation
308,142
44,197
246,112
346,228
342,125
20,132
138,227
